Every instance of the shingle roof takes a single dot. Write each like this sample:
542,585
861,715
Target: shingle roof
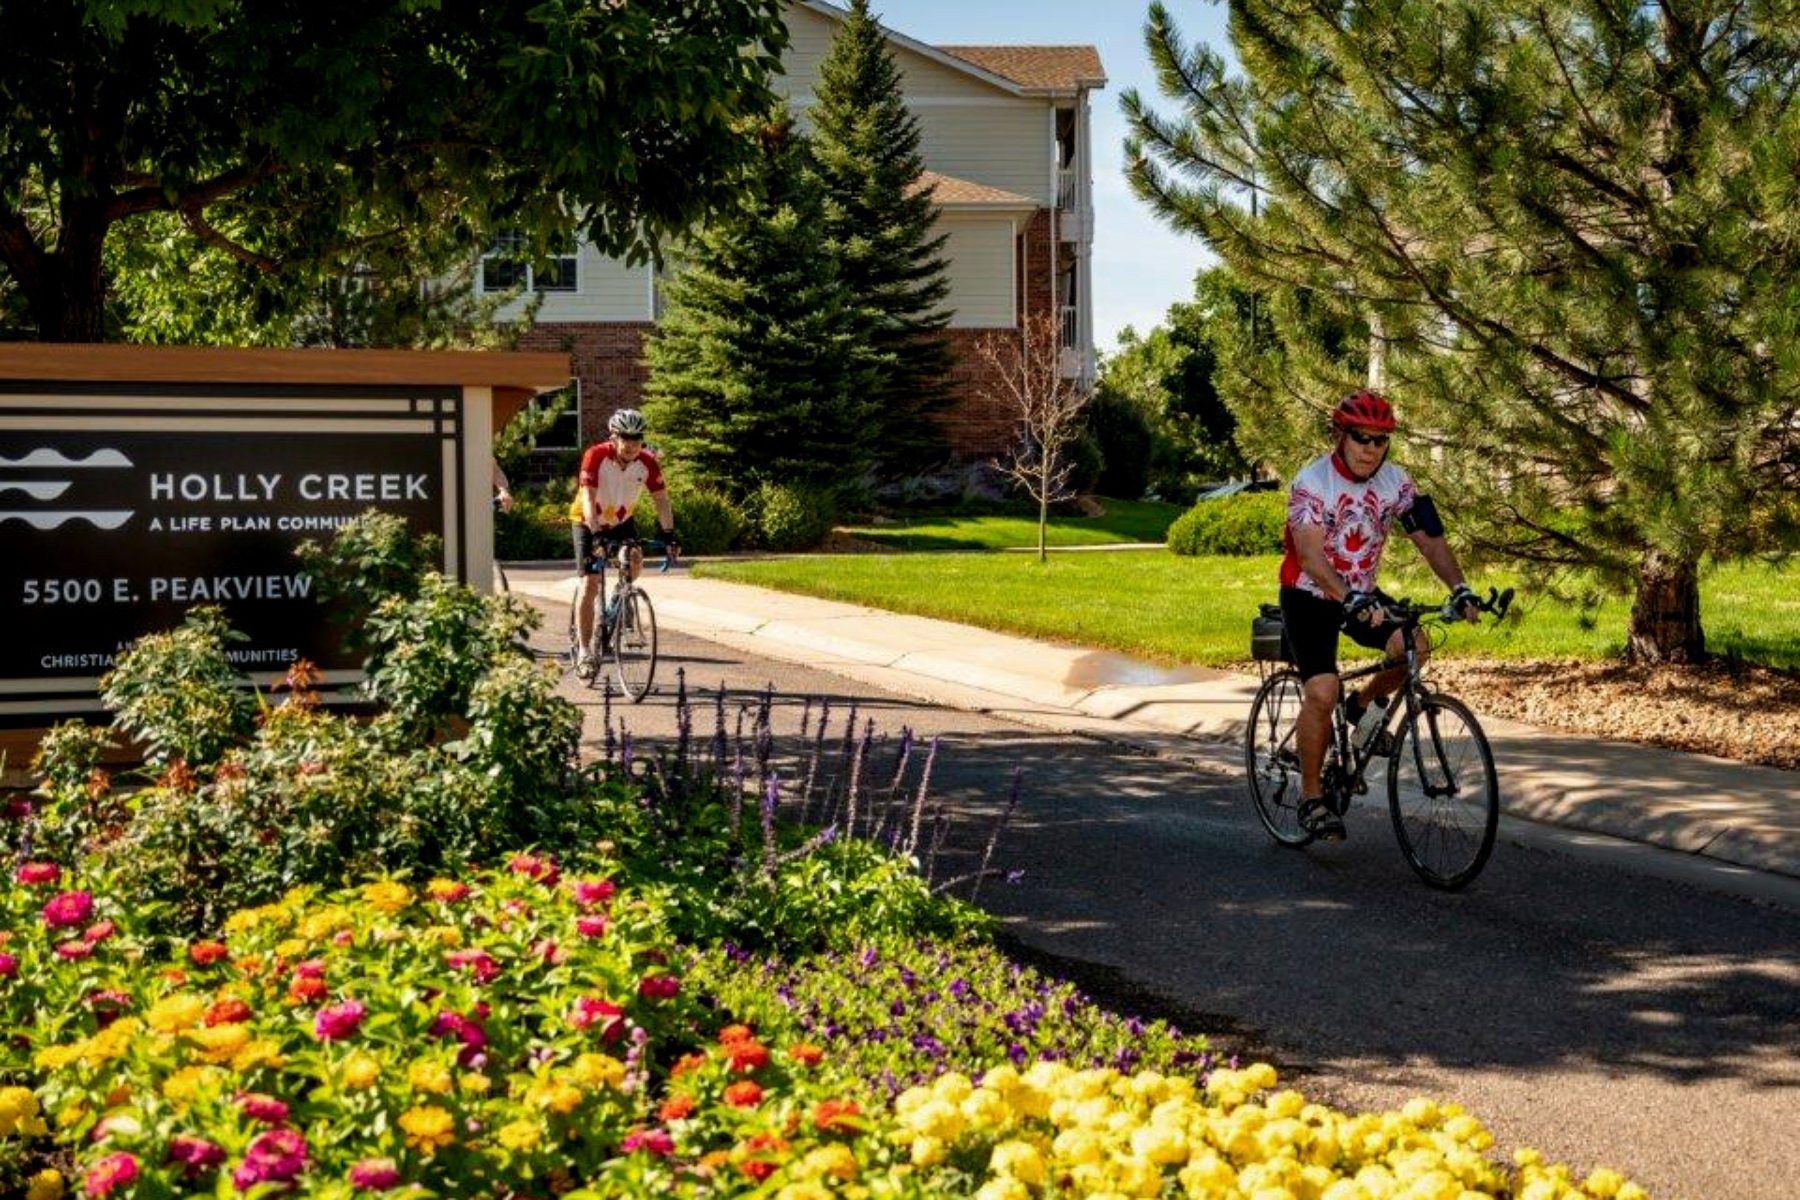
1058,68
953,191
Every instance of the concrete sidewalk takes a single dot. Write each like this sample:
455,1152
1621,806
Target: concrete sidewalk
1697,804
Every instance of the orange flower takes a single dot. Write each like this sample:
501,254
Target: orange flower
734,1033
743,1094
308,991
686,1063
760,1155
747,1055
807,1054
839,1116
675,1108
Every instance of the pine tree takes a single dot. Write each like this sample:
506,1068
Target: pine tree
866,144
1572,228
760,370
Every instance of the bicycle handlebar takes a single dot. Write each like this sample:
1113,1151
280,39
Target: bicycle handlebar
1409,613
603,547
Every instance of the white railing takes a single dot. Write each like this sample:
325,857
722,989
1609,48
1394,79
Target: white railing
1071,328
1067,188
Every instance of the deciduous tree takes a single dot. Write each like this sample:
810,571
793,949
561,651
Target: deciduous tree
1026,376
303,139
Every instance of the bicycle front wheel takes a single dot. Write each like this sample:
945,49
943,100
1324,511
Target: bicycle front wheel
634,646
1272,758
1443,793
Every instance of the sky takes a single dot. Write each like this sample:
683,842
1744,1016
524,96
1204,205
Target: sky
1141,266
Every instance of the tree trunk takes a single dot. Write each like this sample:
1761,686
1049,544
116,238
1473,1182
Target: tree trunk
1043,516
1665,617
70,302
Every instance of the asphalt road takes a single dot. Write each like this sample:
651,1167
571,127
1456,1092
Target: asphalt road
1604,1008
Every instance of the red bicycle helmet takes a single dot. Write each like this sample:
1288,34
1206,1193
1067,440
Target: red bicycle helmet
1364,410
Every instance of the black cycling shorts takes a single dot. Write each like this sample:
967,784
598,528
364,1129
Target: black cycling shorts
1312,624
586,540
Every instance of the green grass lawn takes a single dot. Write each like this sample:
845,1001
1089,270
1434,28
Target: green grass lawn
1123,521
1197,610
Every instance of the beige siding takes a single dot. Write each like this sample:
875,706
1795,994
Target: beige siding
980,258
1003,147
607,290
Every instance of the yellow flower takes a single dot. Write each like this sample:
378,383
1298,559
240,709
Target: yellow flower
45,1185
928,1151
182,1086
1161,1144
475,1082
322,924
293,947
360,1071
1207,1175
937,1118
247,919
1003,1189
597,1071
1603,1183
833,1160
1138,1177
427,1076
443,889
520,1135
427,1129
1019,1160
952,1087
445,935
804,1189
19,1113
556,1096
1077,1146
220,1043
172,1014
55,1058
984,1108
263,1052
387,896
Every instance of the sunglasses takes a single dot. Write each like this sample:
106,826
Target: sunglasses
1367,439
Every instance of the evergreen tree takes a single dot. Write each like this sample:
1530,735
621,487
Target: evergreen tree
866,145
1570,226
760,370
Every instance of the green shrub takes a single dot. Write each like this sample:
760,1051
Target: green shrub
1126,442
1248,523
538,525
706,520
177,694
792,516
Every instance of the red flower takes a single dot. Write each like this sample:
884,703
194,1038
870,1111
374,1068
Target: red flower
537,869
312,968
591,927
807,1054
259,1107
308,991
675,1108
591,893
651,1141
743,1094
734,1033
335,1022
478,962
99,931
763,1153
549,951
231,1011
196,1155
659,987
32,874
591,1010
9,965
204,954
839,1116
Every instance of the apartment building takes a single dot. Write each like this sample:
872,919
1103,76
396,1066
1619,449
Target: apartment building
1005,135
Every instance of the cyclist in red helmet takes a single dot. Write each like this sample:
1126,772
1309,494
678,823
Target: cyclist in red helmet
1340,507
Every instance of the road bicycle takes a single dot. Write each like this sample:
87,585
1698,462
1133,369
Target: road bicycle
1443,794
625,621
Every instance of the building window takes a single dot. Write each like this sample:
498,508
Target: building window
505,267
564,433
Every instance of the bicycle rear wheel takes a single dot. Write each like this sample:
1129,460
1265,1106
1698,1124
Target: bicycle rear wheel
1443,793
634,646
1272,758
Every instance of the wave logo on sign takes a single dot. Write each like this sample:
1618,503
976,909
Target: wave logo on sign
49,490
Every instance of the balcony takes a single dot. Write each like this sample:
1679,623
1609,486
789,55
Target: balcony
1074,214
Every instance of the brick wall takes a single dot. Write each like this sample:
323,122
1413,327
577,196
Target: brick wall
608,359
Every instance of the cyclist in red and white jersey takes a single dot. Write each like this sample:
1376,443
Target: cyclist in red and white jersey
614,475
1340,507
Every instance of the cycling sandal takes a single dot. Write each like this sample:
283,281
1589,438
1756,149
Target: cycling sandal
1317,819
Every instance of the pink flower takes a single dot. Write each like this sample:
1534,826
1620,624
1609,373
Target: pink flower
259,1107
276,1156
342,937
591,893
32,874
114,1171
651,1141
537,869
9,965
549,951
68,908
336,1021
478,962
74,951
196,1155
591,927
99,931
374,1175
659,987
312,968
18,810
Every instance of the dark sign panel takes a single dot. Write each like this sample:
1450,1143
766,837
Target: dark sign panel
111,533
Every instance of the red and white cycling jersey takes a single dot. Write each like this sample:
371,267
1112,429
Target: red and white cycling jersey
618,484
1354,514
